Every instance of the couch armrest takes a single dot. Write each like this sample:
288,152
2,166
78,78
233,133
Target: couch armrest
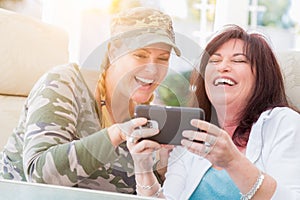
29,47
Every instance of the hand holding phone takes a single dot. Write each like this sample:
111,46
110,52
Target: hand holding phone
170,121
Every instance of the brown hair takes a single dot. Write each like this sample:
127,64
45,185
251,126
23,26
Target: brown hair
198,96
269,89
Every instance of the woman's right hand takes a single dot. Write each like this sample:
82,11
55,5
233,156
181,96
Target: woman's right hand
118,133
143,154
142,150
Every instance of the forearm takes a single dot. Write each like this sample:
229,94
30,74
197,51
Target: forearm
50,166
63,163
245,175
95,150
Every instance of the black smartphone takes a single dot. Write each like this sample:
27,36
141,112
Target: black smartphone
170,120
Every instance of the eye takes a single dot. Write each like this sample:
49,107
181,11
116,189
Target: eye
240,61
140,55
165,59
214,61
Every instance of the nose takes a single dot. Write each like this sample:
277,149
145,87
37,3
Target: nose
151,68
223,66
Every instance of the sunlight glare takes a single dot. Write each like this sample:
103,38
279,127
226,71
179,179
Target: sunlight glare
91,4
176,8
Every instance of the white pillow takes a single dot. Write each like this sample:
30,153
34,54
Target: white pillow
290,65
28,49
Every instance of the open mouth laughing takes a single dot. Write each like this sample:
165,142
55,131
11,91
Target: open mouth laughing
224,81
144,81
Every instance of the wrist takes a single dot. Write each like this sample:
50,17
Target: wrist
143,167
235,162
148,186
254,188
157,193
115,135
143,163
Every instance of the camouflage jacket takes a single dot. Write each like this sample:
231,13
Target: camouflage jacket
59,139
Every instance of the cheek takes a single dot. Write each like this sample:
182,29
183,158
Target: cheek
252,83
207,85
208,75
209,70
250,79
162,71
122,69
118,77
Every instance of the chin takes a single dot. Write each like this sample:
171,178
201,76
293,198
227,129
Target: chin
141,98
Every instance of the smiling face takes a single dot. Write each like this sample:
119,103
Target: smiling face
137,74
229,80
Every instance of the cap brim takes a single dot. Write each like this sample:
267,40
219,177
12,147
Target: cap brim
130,41
151,38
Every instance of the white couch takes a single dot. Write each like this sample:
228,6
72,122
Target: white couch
29,47
290,65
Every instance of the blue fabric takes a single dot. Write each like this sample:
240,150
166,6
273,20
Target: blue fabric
216,185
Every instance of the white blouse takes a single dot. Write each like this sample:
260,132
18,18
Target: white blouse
273,146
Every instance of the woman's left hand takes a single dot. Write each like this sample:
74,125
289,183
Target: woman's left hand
211,142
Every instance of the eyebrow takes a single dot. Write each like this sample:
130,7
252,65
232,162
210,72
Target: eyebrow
145,49
236,54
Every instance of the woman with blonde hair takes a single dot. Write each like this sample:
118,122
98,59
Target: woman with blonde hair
69,136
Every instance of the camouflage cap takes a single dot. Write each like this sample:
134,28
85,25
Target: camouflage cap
139,27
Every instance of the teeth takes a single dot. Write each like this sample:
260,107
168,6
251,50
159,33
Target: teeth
222,81
144,80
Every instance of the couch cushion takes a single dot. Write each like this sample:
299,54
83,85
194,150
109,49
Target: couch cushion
10,109
28,48
290,64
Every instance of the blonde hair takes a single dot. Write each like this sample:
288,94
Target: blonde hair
101,82
100,94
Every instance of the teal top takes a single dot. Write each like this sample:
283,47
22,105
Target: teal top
216,184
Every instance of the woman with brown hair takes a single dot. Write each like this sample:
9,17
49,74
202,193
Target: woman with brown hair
252,151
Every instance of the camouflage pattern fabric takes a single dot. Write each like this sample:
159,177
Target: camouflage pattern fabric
59,139
139,27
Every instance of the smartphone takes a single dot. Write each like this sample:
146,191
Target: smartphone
170,121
